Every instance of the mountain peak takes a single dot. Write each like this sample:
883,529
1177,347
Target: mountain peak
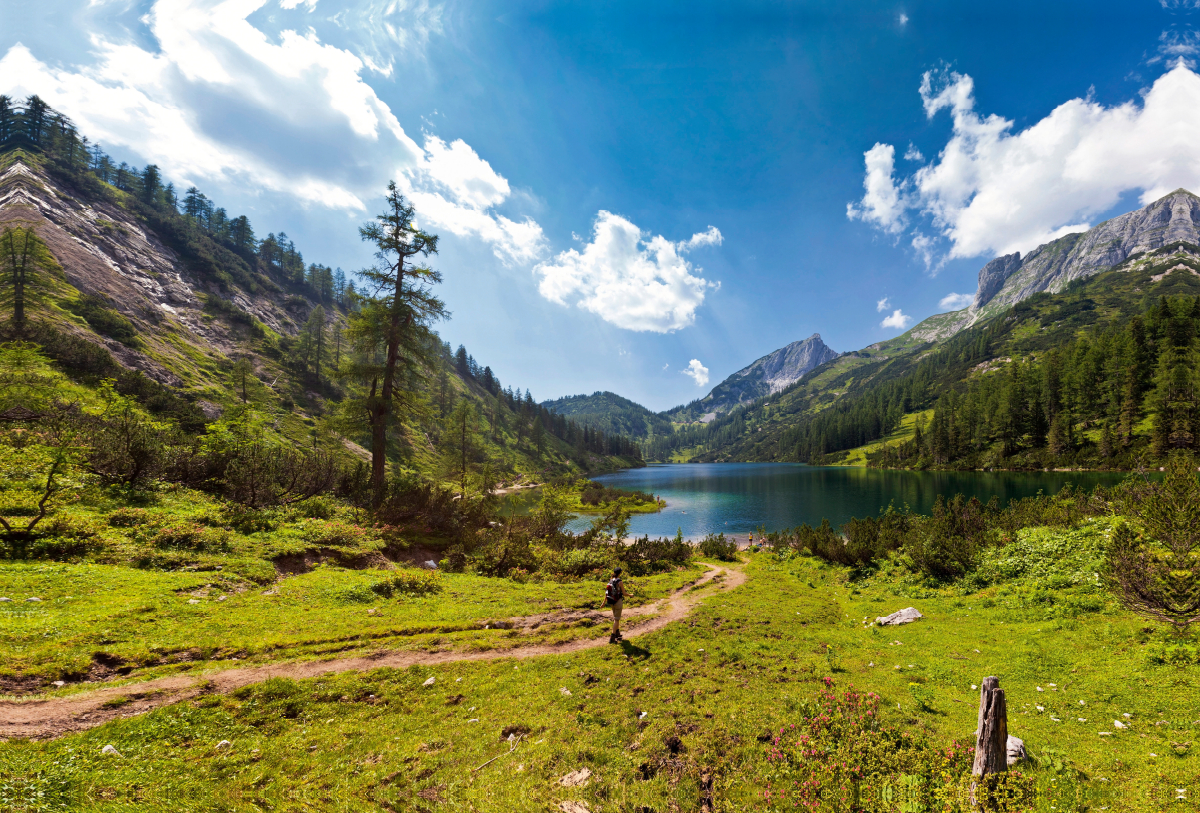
1173,218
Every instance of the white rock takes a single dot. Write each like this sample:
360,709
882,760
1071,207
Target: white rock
223,744
5,599
1016,750
432,565
33,598
1082,703
1041,708
193,601
973,687
565,691
573,807
430,682
1081,719
905,616
1127,716
576,779
1118,724
108,749
473,720
1040,689
222,598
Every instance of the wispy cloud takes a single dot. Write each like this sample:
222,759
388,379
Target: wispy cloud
343,143
883,304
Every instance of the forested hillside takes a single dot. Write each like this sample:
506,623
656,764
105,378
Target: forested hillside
611,413
187,311
1094,376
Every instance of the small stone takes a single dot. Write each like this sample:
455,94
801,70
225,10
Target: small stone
1081,719
1082,703
5,598
973,687
1105,734
473,720
1016,750
1127,716
430,682
432,565
576,779
573,807
1118,724
271,593
222,598
564,691
905,616
33,598
1040,689
108,749
223,744
1041,708
60,683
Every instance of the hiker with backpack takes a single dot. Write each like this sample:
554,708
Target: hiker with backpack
614,596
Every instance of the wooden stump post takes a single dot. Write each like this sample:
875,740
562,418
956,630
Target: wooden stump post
991,736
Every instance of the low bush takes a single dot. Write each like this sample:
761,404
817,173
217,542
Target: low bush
839,755
408,583
716,546
646,555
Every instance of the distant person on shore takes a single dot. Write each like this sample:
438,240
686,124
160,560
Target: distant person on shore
614,596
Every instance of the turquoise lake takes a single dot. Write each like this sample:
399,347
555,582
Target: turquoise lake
739,497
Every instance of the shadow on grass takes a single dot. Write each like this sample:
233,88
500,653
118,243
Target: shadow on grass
633,651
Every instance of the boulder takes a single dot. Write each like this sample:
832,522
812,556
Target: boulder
223,744
108,749
576,779
905,616
430,681
1016,750
430,564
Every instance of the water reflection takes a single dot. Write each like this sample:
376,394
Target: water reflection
738,497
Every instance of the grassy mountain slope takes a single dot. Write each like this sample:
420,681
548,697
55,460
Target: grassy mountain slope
169,302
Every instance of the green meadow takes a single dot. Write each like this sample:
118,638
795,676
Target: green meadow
702,714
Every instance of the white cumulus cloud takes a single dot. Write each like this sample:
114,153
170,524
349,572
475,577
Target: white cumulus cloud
697,372
881,206
883,304
956,302
898,320
212,65
994,189
629,278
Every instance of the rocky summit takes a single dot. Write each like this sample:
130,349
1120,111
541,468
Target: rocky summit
1007,280
769,374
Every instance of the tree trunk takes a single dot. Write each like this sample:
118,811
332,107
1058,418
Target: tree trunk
991,742
991,737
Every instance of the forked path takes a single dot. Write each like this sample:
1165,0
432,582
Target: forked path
53,717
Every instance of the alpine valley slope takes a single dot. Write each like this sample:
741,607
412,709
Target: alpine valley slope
1025,307
164,304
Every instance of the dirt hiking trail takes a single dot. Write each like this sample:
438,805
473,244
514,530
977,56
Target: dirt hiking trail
53,717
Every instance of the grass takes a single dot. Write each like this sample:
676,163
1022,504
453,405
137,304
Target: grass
700,698
103,620
858,455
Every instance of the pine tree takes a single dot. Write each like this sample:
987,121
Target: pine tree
22,256
394,323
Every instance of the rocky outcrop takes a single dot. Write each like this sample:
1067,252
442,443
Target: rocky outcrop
993,276
769,374
106,250
1174,218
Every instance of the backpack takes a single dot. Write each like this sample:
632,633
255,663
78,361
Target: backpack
612,593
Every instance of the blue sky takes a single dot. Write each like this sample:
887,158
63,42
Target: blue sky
623,188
